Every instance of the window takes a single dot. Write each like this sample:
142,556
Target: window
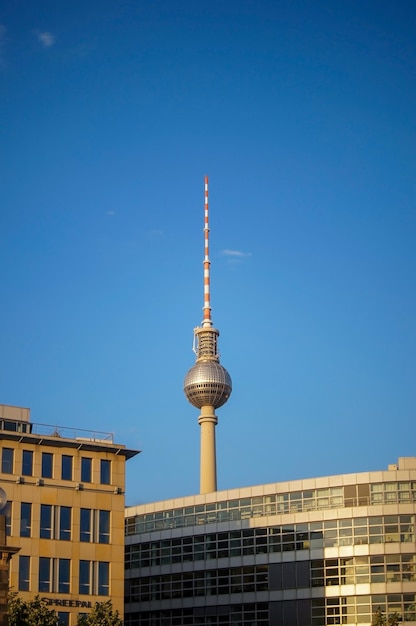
105,472
66,467
46,521
103,526
27,463
85,577
44,574
85,525
103,578
54,575
63,575
86,469
24,573
65,523
63,618
7,460
7,512
25,519
47,464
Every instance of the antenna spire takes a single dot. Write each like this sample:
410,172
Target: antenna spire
207,302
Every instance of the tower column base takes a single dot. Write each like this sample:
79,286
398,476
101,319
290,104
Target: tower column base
208,474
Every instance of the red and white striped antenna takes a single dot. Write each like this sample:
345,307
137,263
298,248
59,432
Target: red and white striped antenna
207,322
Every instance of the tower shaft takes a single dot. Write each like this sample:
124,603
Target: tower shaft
208,459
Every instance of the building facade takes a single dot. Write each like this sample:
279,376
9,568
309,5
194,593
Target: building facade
330,550
65,511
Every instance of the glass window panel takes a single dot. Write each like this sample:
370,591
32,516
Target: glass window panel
85,577
47,464
45,521
7,460
103,578
44,574
27,463
104,527
105,472
65,523
66,467
25,519
63,575
86,469
85,525
24,573
63,618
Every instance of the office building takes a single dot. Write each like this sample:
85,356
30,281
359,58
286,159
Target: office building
311,552
65,511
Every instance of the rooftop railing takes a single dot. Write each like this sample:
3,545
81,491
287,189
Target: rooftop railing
48,430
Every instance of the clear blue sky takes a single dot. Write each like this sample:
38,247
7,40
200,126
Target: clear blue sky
303,115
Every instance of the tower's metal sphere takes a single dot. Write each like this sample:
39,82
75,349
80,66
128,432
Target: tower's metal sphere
207,384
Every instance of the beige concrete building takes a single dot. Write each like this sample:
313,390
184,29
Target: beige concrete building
65,511
313,552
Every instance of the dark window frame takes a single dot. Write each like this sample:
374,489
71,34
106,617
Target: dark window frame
103,578
46,521
7,460
85,526
67,463
86,469
27,463
64,575
25,519
105,472
65,523
47,465
24,573
104,526
45,576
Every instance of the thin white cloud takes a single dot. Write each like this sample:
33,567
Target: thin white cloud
46,38
235,253
110,213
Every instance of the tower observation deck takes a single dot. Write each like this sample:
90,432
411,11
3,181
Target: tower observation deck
207,384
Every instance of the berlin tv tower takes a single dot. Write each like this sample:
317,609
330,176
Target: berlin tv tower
207,384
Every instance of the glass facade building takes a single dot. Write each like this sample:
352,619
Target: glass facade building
329,550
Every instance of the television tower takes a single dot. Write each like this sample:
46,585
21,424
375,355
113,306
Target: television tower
207,384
